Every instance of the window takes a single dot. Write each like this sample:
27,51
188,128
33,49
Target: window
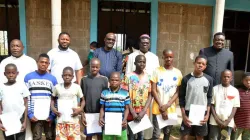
3,43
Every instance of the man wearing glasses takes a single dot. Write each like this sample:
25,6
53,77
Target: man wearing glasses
111,59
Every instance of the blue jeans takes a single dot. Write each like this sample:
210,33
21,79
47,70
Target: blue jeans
131,136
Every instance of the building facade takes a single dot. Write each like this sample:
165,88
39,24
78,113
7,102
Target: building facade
185,26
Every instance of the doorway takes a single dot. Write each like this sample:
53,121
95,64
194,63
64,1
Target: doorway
128,20
236,27
9,25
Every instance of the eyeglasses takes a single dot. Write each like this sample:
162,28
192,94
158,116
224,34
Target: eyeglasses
110,39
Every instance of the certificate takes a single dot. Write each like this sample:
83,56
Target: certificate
196,114
172,120
142,125
11,123
65,107
92,120
113,123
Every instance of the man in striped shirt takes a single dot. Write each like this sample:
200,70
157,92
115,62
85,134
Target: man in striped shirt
40,84
115,100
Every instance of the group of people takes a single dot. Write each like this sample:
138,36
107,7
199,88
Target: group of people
147,88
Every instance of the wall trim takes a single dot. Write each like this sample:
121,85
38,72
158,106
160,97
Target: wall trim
22,24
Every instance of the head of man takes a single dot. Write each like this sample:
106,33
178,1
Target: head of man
109,41
226,77
43,63
11,72
95,65
140,63
64,40
219,40
16,48
144,43
168,57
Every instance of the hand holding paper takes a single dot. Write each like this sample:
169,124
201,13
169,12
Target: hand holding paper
92,123
196,114
142,125
113,123
12,127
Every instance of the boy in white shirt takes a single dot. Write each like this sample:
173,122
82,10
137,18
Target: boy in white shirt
13,98
67,127
225,101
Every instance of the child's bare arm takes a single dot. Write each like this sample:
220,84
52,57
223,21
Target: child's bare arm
25,114
1,125
101,120
164,107
218,121
132,111
154,94
53,108
230,117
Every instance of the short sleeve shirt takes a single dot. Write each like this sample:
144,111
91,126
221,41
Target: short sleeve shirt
92,88
70,94
138,89
60,59
12,97
25,65
167,82
224,99
115,101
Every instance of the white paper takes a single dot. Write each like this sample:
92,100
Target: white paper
113,123
11,123
65,107
172,120
41,109
196,114
92,120
142,125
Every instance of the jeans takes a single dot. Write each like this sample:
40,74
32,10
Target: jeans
215,132
131,136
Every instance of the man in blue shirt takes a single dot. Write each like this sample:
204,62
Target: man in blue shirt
111,59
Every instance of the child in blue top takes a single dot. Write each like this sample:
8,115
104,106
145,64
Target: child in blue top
115,100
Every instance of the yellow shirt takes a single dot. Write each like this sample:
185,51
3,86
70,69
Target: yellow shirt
167,83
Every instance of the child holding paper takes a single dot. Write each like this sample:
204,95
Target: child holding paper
165,87
196,89
92,86
68,126
225,101
115,100
242,116
40,84
13,98
139,87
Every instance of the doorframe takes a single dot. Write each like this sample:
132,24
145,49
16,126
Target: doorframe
153,21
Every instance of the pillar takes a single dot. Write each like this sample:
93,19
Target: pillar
55,21
219,16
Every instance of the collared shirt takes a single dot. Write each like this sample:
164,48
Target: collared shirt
60,59
218,61
111,61
152,62
25,65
